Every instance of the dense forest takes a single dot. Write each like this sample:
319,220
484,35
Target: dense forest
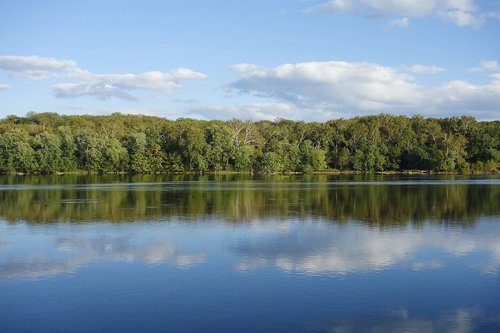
46,143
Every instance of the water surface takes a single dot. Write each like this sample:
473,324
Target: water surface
243,254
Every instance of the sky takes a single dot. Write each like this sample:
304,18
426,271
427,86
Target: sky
310,60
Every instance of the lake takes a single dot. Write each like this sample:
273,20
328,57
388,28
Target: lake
250,254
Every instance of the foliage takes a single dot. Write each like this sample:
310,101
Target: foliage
48,143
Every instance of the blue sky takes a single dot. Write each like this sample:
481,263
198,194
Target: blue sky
310,60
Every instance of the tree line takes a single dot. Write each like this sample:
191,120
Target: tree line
47,143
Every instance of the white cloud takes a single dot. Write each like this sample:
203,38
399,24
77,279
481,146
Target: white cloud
495,15
461,18
460,12
249,69
35,67
346,88
401,23
115,85
343,6
423,69
490,65
256,111
100,86
331,84
412,8
99,90
184,74
107,111
4,86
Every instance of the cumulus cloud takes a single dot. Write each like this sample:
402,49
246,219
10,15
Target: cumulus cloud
490,65
494,15
107,86
332,84
256,111
100,86
338,87
252,111
4,86
461,18
459,12
423,69
401,23
99,90
35,67
388,7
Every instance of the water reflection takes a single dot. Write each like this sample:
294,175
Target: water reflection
318,248
460,320
386,204
303,247
288,255
65,249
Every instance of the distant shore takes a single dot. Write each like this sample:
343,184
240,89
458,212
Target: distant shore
223,173
49,143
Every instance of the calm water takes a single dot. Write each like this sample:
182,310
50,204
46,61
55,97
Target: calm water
236,254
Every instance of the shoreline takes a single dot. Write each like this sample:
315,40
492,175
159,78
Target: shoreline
223,173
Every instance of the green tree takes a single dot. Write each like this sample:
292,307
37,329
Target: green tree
311,158
16,153
68,148
219,138
89,148
47,147
135,144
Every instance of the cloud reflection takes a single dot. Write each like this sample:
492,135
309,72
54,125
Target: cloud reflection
315,248
4,246
460,320
304,247
68,254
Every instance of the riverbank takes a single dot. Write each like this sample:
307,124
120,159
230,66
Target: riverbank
223,173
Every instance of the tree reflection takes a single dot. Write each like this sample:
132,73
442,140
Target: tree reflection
237,199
